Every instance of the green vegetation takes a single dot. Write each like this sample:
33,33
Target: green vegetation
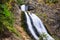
20,2
6,18
43,36
51,1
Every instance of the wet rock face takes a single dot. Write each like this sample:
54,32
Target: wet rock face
50,15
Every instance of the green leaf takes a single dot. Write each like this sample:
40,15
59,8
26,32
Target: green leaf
6,12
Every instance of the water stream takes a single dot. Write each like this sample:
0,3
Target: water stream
30,27
38,25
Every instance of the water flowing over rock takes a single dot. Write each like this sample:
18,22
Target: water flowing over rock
37,24
49,15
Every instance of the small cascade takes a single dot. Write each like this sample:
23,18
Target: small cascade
38,25
30,27
29,23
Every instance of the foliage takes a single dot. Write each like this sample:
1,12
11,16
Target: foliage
6,18
43,36
51,1
20,2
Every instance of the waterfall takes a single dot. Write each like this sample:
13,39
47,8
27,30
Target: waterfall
29,23
38,25
30,27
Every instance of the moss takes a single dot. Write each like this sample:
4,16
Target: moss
43,36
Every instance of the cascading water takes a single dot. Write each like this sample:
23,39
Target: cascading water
37,24
30,26
29,23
